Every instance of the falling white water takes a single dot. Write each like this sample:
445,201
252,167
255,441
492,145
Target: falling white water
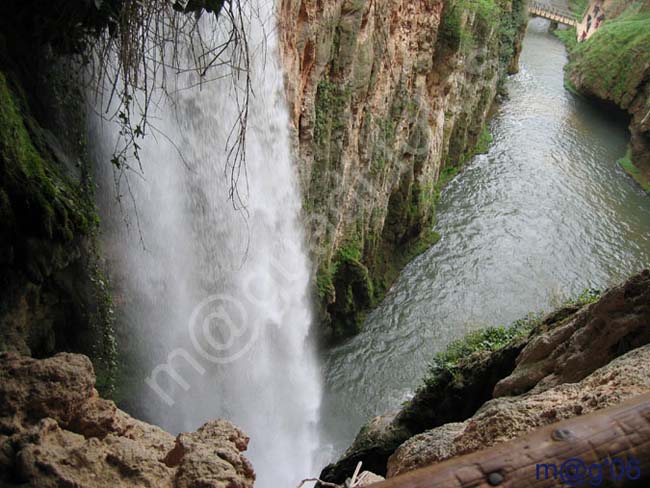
218,293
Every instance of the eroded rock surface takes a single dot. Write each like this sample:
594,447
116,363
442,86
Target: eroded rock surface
566,366
56,431
383,95
506,418
572,349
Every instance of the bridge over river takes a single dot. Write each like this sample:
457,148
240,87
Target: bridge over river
553,10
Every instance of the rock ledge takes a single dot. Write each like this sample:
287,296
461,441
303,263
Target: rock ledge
56,431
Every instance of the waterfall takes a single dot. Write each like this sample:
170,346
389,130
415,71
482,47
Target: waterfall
216,299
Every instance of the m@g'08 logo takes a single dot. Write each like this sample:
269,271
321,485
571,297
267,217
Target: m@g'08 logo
220,329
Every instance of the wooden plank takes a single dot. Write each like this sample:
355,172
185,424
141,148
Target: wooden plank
621,432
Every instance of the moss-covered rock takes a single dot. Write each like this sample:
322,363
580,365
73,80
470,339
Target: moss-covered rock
386,102
467,373
36,194
42,213
50,300
613,66
354,296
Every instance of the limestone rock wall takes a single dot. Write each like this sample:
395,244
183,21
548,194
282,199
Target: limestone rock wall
386,97
503,419
46,217
56,431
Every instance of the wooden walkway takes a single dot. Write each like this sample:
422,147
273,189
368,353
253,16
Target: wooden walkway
554,13
619,434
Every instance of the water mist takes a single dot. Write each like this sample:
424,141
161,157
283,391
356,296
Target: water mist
216,298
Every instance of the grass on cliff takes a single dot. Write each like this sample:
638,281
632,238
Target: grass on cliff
613,60
568,37
31,188
488,339
492,339
578,7
484,140
628,166
587,296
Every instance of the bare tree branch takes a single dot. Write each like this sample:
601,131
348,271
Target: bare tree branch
149,44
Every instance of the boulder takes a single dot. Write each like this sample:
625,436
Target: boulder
506,418
56,431
572,349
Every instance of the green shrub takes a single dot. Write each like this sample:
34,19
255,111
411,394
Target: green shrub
568,37
587,296
629,167
493,338
488,339
578,7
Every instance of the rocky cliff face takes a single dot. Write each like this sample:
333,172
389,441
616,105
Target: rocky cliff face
54,296
388,99
56,431
576,360
613,65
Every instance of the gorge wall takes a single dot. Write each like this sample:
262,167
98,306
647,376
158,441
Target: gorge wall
388,99
613,66
53,295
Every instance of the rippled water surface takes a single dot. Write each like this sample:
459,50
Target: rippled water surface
546,213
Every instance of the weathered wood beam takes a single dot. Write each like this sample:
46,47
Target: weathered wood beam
620,433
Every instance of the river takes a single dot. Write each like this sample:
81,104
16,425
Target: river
545,214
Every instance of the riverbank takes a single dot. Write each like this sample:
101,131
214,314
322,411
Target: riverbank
613,65
499,383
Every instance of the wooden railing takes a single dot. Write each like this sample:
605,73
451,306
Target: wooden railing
618,437
551,12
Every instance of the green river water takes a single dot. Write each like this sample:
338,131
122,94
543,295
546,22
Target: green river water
545,214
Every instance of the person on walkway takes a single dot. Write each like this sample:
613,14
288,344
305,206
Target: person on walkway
583,36
599,20
596,9
589,19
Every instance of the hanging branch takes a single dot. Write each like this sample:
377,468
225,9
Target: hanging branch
144,48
